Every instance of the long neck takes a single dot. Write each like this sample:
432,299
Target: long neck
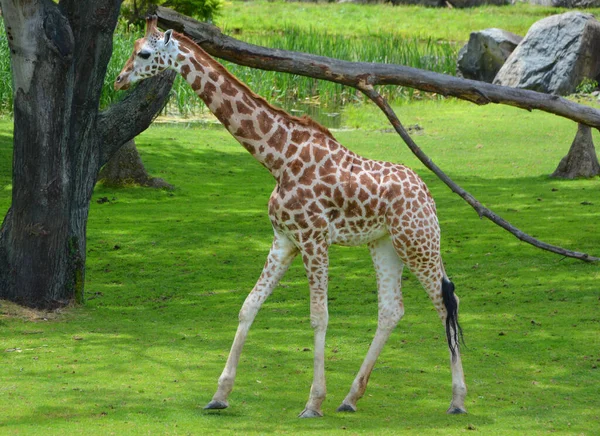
260,128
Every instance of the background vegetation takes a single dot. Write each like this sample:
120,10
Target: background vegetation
168,271
426,38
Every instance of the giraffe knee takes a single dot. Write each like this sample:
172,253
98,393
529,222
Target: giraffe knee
319,320
389,318
248,312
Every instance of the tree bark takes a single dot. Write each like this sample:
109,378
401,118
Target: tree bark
59,55
581,160
357,74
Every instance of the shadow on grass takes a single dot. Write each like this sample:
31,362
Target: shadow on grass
168,271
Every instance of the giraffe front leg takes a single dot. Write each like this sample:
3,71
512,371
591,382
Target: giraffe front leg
316,263
388,268
283,251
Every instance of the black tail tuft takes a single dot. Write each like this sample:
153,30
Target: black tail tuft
454,332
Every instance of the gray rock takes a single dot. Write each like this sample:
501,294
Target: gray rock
557,53
569,4
482,57
453,3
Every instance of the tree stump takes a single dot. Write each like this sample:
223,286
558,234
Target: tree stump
126,168
581,161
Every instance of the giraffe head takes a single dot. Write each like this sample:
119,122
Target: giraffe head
153,53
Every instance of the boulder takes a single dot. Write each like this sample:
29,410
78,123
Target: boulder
482,57
569,4
557,53
451,3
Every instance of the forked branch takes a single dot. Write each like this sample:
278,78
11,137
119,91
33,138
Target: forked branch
363,76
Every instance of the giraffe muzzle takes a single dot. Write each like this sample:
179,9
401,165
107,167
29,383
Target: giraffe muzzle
121,83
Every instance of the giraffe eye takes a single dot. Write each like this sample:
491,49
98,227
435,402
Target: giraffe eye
144,54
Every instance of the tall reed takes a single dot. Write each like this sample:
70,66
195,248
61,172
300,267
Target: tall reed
281,89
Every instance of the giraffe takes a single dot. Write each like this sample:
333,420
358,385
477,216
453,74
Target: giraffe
325,194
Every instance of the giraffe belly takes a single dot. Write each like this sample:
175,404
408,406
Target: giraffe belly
359,232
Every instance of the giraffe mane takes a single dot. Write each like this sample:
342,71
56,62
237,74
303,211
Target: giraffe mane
304,120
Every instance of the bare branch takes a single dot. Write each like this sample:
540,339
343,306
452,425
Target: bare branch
472,201
353,73
125,120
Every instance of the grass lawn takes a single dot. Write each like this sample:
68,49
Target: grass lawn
356,20
168,271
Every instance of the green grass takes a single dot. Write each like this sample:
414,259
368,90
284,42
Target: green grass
168,272
353,20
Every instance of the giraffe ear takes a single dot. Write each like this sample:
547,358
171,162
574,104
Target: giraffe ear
168,35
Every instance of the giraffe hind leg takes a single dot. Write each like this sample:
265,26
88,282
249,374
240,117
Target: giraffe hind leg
388,268
422,257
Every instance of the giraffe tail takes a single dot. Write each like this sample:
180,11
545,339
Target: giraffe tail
454,332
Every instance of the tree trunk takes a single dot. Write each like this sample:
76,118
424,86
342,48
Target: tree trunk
126,168
581,160
59,55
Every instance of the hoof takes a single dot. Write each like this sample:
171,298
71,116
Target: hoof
455,410
307,413
216,405
346,408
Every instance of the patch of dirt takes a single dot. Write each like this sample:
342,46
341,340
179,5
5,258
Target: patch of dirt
10,310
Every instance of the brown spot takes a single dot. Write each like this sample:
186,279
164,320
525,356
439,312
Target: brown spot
363,195
197,84
322,190
207,93
224,112
214,76
248,101
180,57
320,154
330,179
305,194
269,159
353,209
249,147
278,139
327,168
333,145
338,197
285,216
265,122
243,108
350,188
308,175
314,209
305,154
197,65
229,89
185,70
247,130
300,136
296,167
300,219
334,214
291,150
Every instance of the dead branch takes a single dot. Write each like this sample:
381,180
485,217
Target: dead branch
353,73
364,76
